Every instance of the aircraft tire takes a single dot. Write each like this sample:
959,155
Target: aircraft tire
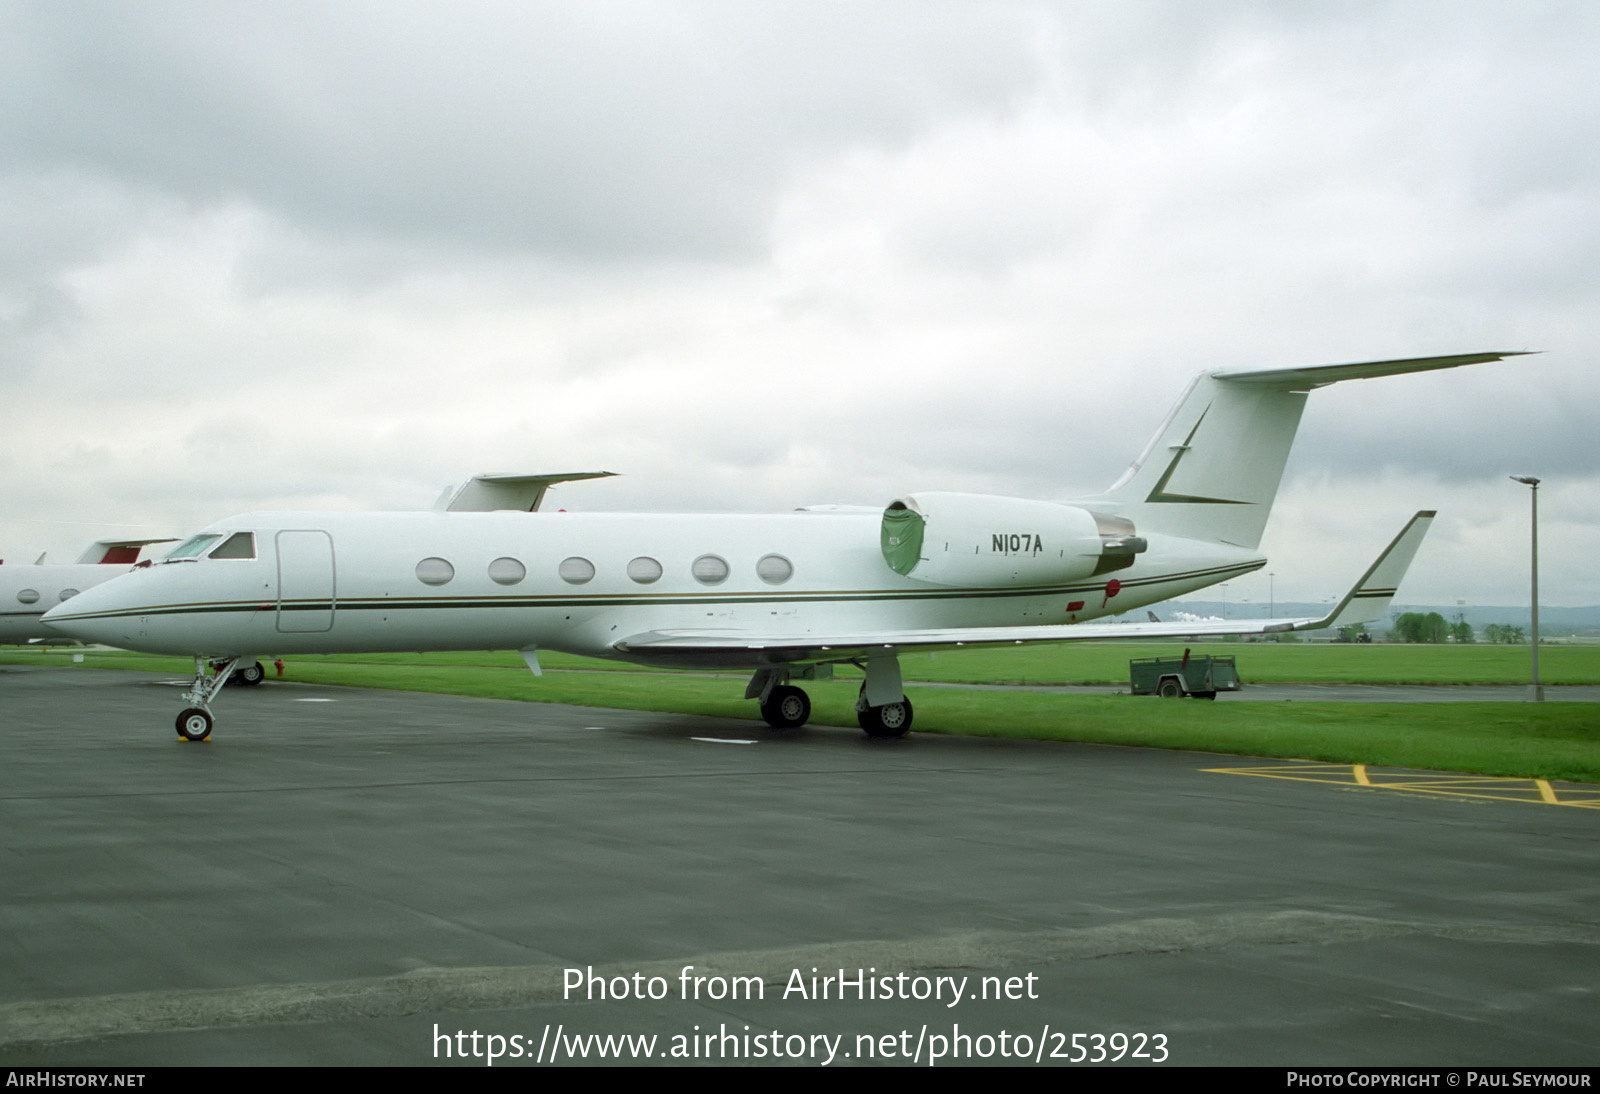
194,724
251,675
1170,689
786,708
886,722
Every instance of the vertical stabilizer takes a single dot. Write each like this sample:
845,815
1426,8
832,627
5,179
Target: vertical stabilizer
1212,470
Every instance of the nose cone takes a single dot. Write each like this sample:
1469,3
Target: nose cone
102,614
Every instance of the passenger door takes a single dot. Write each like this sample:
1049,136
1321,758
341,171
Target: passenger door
306,587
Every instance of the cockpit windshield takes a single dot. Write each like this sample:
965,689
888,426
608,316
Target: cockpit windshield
191,547
238,545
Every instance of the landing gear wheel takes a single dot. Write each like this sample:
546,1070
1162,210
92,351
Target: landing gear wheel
1170,689
194,724
251,675
786,708
888,721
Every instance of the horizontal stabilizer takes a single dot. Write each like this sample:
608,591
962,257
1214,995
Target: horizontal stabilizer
1305,379
524,493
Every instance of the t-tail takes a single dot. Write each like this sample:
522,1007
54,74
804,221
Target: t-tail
1212,470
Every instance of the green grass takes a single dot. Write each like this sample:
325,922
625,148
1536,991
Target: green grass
1264,663
1107,663
1551,740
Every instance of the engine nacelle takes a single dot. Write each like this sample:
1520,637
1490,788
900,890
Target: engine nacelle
986,542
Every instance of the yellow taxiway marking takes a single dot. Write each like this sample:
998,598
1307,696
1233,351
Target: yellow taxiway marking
1444,784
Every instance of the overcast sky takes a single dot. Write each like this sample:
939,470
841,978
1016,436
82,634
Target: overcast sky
754,256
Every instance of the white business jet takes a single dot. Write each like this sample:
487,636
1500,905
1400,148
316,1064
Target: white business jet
27,592
785,596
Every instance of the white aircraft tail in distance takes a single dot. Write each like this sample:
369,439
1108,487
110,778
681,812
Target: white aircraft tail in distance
784,596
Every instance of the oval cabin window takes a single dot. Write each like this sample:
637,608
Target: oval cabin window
435,571
507,571
710,570
576,571
774,569
645,571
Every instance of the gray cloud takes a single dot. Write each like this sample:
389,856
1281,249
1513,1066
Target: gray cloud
598,130
269,254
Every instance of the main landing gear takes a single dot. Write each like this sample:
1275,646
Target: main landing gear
882,708
786,707
888,721
195,720
248,674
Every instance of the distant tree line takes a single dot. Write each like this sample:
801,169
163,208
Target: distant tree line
1506,633
1432,627
1416,627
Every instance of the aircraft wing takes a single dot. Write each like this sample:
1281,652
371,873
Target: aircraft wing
1366,602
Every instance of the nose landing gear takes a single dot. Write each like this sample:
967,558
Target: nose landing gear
195,720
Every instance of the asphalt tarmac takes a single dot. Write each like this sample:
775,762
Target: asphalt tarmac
361,877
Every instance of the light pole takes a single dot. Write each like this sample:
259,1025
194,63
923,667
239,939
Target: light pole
1535,689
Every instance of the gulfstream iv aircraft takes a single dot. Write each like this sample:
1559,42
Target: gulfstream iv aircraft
783,596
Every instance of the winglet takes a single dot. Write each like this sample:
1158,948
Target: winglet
1371,596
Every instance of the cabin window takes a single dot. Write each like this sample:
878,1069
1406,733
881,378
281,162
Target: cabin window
435,571
774,569
191,547
507,571
710,570
576,571
68,594
646,571
238,545
28,596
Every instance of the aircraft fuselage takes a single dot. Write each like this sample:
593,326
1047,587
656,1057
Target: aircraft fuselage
27,592
322,582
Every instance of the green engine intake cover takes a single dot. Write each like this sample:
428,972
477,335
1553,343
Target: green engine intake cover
901,538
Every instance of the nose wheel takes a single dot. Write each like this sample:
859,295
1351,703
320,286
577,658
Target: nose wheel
194,724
